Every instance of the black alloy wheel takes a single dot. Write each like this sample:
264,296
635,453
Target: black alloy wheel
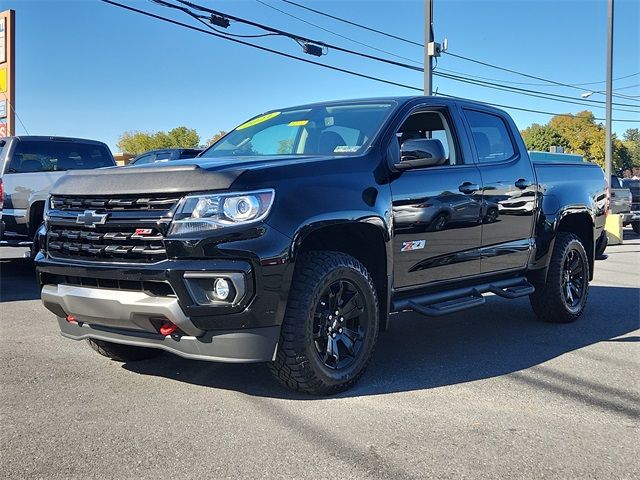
340,325
573,281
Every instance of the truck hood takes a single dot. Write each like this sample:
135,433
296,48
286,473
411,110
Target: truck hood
190,175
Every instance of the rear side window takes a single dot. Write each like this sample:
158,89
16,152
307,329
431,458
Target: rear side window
162,157
490,136
189,153
615,182
42,156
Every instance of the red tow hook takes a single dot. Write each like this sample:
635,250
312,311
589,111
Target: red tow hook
168,328
71,319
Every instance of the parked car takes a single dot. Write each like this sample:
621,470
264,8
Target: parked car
633,217
620,197
283,242
165,155
29,166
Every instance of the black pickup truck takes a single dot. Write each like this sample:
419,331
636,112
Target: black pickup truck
293,238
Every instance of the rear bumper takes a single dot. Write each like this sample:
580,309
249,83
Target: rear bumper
630,216
133,318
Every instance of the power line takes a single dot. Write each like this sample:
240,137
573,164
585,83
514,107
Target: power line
486,64
338,34
419,44
354,24
259,47
298,38
208,25
15,113
536,83
628,86
535,93
331,67
522,109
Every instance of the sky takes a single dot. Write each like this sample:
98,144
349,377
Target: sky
91,70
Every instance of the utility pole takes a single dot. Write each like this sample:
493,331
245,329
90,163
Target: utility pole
428,45
608,153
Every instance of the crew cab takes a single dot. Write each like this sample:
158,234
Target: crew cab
29,166
293,238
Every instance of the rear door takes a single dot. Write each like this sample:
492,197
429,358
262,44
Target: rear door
436,210
509,193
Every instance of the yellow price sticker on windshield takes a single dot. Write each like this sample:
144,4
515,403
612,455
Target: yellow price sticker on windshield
257,120
298,123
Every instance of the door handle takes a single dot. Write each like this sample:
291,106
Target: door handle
522,183
468,187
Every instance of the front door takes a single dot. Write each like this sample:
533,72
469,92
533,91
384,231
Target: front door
437,211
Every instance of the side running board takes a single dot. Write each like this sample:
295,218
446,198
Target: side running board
443,303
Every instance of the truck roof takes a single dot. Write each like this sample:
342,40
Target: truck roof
401,100
43,138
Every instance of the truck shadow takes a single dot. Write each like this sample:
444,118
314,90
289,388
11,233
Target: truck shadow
419,353
17,281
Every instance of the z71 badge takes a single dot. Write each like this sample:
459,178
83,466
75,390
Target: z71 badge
413,245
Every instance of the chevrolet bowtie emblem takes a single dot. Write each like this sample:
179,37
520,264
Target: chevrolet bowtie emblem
90,218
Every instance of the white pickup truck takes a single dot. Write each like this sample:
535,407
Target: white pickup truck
29,166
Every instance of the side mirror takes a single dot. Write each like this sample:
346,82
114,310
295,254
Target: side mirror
421,152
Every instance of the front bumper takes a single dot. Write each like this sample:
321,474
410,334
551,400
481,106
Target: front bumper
247,346
262,305
133,318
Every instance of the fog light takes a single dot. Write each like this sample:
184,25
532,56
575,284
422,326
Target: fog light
221,289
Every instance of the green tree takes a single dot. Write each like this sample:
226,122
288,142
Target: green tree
585,136
541,137
137,142
183,137
581,134
631,140
216,137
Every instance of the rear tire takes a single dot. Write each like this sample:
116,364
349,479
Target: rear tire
636,227
563,297
320,352
123,353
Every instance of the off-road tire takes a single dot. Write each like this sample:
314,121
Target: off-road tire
548,300
123,353
297,365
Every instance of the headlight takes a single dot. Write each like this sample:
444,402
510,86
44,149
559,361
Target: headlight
199,213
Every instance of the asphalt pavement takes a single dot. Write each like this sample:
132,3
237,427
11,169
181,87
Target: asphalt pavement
487,393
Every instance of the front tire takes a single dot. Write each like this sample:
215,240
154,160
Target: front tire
320,351
123,353
563,297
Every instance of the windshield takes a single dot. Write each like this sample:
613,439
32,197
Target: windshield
341,130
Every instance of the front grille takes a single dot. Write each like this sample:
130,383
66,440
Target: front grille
105,243
113,204
154,287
